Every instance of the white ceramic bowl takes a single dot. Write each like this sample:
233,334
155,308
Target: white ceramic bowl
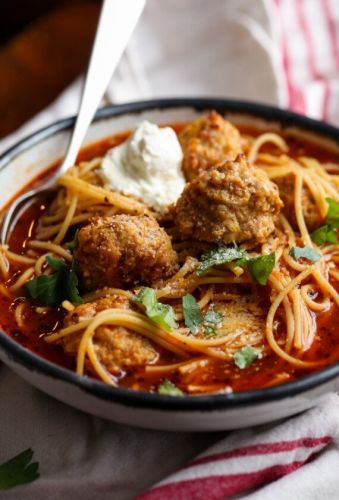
214,412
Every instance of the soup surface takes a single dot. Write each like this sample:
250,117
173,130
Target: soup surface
231,286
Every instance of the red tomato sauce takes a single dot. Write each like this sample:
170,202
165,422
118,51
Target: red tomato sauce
217,375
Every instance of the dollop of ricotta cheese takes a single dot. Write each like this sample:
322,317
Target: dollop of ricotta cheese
147,165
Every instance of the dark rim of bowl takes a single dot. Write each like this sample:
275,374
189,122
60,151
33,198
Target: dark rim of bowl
127,397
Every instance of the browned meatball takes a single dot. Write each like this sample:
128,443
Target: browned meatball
124,250
117,348
231,202
310,210
208,141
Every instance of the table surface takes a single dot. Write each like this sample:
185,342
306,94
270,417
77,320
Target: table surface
41,60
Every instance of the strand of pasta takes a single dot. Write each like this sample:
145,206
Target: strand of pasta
298,209
22,280
66,223
4,265
52,247
268,137
15,257
129,205
181,366
269,324
312,304
47,232
289,319
326,286
98,367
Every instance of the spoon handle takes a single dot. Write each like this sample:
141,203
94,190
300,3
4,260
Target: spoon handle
116,23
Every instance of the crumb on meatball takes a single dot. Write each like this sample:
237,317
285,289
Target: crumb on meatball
124,250
208,141
117,348
230,202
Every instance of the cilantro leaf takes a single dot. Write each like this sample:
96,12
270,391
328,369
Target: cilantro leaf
219,256
168,388
305,252
245,356
72,245
45,289
192,314
72,283
18,470
324,234
194,318
159,313
332,216
211,320
213,317
57,264
261,267
52,289
328,232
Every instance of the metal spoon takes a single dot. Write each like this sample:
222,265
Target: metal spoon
117,21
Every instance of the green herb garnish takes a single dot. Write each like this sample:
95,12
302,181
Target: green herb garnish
219,256
52,289
211,320
246,355
18,470
324,234
168,388
332,216
261,267
328,232
72,245
192,314
159,313
305,252
194,318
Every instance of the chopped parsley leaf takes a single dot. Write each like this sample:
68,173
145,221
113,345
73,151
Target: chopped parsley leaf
261,267
324,234
18,470
246,355
194,318
169,389
219,256
161,314
305,252
192,315
332,216
328,232
52,289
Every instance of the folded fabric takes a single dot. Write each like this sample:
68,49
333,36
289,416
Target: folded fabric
247,460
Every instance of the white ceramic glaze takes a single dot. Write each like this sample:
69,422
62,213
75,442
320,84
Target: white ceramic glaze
22,164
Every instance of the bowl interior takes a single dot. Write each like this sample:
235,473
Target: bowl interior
33,155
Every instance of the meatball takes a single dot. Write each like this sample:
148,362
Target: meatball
208,141
124,250
231,202
117,348
310,210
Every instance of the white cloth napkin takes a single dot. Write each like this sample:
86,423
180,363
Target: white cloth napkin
282,52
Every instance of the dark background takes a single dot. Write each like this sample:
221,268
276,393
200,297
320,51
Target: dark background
44,46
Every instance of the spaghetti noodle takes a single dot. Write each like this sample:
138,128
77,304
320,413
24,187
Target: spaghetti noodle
284,319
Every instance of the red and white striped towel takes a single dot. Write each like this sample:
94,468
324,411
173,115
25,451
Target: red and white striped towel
307,32
263,460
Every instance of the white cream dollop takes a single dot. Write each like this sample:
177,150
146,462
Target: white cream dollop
147,165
